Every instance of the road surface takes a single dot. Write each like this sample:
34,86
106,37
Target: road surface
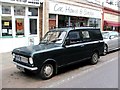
82,75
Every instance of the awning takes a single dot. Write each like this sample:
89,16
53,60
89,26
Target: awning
110,23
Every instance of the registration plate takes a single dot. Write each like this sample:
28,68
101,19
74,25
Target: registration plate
17,57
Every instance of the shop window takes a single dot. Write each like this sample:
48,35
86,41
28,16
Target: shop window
6,9
19,26
33,11
6,26
33,26
79,21
94,22
52,21
52,16
18,10
63,21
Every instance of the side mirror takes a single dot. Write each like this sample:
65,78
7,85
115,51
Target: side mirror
67,42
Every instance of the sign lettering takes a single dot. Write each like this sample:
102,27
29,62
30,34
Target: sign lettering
65,9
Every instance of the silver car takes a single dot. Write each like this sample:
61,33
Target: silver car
112,41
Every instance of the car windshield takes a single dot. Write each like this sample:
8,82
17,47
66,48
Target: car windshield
105,35
54,37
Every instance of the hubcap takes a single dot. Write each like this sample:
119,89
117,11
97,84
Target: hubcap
48,70
95,57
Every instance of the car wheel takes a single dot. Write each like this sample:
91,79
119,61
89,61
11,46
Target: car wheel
47,71
94,58
105,50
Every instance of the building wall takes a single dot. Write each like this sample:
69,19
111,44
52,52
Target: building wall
74,3
111,19
15,28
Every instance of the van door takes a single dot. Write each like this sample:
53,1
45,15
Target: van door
87,43
73,47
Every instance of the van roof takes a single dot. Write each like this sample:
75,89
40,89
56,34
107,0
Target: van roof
74,28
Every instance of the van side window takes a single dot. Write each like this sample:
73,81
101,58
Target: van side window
74,37
85,35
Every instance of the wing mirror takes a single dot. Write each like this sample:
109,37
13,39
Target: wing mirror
67,42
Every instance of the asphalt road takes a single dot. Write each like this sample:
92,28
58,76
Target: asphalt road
105,76
82,75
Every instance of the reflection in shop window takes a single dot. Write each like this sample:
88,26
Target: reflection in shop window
63,21
6,26
52,21
6,9
94,22
33,26
18,10
33,11
19,26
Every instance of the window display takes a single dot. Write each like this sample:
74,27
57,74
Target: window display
33,11
18,10
52,21
6,9
19,26
93,22
6,26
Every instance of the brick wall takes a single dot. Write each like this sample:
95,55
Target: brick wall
40,20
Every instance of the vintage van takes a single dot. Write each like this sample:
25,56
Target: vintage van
60,47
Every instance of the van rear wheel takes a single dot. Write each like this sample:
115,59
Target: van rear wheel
94,58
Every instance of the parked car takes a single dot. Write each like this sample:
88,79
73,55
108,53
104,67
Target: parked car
112,41
60,47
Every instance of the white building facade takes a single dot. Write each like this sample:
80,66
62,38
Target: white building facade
73,13
19,23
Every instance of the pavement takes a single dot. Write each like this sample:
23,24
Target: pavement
5,61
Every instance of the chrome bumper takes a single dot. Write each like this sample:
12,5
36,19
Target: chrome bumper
26,67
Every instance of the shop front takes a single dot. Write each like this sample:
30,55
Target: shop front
111,20
69,15
19,24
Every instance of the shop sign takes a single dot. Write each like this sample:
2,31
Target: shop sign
109,17
65,9
27,2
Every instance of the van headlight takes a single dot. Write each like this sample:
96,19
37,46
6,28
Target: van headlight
13,55
30,60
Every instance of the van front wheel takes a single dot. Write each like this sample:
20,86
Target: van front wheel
47,71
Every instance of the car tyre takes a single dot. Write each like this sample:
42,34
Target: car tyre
46,71
105,49
94,58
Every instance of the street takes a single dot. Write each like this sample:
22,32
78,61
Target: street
82,75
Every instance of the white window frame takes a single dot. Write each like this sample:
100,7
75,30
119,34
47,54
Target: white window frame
5,15
34,17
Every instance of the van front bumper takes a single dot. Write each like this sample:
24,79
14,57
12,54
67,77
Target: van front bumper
26,67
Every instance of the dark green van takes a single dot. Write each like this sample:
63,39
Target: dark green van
60,47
